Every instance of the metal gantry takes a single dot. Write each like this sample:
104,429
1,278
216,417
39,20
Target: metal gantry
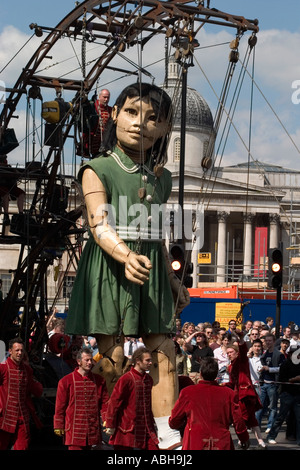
50,226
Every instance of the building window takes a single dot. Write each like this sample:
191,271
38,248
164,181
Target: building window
177,149
6,283
68,286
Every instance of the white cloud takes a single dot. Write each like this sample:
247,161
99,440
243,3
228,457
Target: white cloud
13,56
276,67
277,58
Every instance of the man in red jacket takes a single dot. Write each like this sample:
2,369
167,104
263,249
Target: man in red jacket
240,381
129,418
17,384
104,112
81,396
206,411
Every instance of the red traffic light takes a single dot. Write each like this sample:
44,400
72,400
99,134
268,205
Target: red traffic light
176,265
276,268
179,264
177,258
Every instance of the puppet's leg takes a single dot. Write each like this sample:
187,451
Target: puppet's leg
165,389
111,365
163,372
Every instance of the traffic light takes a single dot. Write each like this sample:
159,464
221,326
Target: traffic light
180,266
188,280
275,268
177,259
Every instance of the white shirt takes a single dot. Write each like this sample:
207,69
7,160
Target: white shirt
223,361
255,366
293,342
135,345
221,357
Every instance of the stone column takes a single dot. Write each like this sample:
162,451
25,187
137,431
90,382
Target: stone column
274,223
221,253
248,220
194,260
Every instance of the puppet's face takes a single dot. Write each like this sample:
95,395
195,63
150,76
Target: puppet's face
137,127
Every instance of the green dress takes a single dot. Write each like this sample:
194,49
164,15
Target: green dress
103,301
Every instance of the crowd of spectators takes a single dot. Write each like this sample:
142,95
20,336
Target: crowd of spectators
193,342
274,365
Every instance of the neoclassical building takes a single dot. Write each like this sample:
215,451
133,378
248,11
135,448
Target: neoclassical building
248,208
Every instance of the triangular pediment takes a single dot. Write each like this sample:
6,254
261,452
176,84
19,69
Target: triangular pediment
223,186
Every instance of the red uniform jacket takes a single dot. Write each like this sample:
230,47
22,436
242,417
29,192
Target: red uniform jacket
17,384
104,113
240,382
79,401
129,411
239,372
206,411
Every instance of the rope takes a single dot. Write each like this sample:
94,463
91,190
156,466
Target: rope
249,144
21,48
246,146
83,46
175,97
273,382
229,117
220,111
274,112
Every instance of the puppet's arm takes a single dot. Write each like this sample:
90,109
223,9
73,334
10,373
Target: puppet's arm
137,267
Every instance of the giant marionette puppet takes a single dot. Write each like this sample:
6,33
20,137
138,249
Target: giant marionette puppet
125,285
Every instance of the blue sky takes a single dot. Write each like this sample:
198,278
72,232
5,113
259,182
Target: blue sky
276,128
271,13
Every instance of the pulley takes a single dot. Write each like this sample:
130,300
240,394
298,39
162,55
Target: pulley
206,163
252,40
139,22
234,56
37,29
35,92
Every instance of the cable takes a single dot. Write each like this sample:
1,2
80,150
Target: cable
17,53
